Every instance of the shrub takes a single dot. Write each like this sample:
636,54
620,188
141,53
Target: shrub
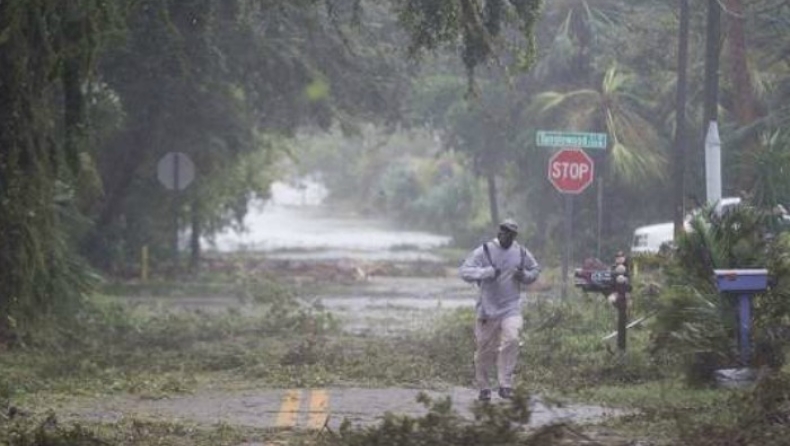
695,323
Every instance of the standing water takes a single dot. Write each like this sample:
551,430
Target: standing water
296,223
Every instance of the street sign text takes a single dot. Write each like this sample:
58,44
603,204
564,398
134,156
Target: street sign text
571,139
571,171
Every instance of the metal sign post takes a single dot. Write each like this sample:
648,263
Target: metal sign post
570,171
175,171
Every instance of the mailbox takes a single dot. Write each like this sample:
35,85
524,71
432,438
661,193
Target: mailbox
745,283
741,280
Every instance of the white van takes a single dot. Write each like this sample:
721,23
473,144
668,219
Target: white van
649,239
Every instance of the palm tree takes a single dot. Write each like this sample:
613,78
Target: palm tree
635,150
573,31
613,107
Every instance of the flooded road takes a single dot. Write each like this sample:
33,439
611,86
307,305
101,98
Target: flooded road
296,226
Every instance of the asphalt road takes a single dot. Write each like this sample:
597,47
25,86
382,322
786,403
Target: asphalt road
316,408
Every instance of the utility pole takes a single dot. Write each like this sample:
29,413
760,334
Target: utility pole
711,130
679,158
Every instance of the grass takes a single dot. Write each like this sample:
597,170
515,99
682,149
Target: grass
47,430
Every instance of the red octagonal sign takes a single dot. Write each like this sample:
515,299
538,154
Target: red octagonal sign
571,171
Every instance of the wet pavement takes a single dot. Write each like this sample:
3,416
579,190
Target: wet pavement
317,408
387,306
381,306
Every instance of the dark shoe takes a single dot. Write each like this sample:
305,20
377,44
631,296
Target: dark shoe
506,393
485,395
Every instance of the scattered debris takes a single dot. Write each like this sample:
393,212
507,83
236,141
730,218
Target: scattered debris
335,271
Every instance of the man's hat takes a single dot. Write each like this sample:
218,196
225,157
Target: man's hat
510,225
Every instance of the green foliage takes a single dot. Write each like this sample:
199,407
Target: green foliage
694,321
48,430
771,184
399,188
423,188
450,344
451,205
762,416
479,25
44,47
432,194
48,433
563,347
772,310
493,424
157,350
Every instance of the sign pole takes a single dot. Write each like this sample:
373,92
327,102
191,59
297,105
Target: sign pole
568,252
175,171
599,215
176,203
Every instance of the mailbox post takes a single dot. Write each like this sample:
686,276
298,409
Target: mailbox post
745,283
615,284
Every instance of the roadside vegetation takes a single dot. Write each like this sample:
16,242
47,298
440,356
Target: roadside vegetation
668,395
123,351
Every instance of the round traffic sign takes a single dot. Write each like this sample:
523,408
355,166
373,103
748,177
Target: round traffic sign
175,170
571,170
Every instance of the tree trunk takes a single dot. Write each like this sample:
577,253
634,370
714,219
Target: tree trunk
138,146
29,254
712,49
599,215
73,113
744,104
679,154
73,101
194,238
603,202
492,197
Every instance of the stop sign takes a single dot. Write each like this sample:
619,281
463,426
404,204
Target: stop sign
571,171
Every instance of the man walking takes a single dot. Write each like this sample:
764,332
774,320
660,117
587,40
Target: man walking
500,267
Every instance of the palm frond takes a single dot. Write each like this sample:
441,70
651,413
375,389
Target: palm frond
550,100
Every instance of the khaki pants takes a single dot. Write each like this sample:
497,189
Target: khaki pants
497,343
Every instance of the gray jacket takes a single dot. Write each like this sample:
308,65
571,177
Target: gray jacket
499,296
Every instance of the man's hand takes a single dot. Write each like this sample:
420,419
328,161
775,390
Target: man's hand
526,276
492,274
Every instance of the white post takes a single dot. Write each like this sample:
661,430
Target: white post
713,163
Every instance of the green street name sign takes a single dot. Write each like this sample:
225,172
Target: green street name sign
571,139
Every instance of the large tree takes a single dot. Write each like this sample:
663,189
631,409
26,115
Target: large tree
46,50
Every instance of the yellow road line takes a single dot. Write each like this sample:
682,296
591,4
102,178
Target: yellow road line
319,403
289,409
